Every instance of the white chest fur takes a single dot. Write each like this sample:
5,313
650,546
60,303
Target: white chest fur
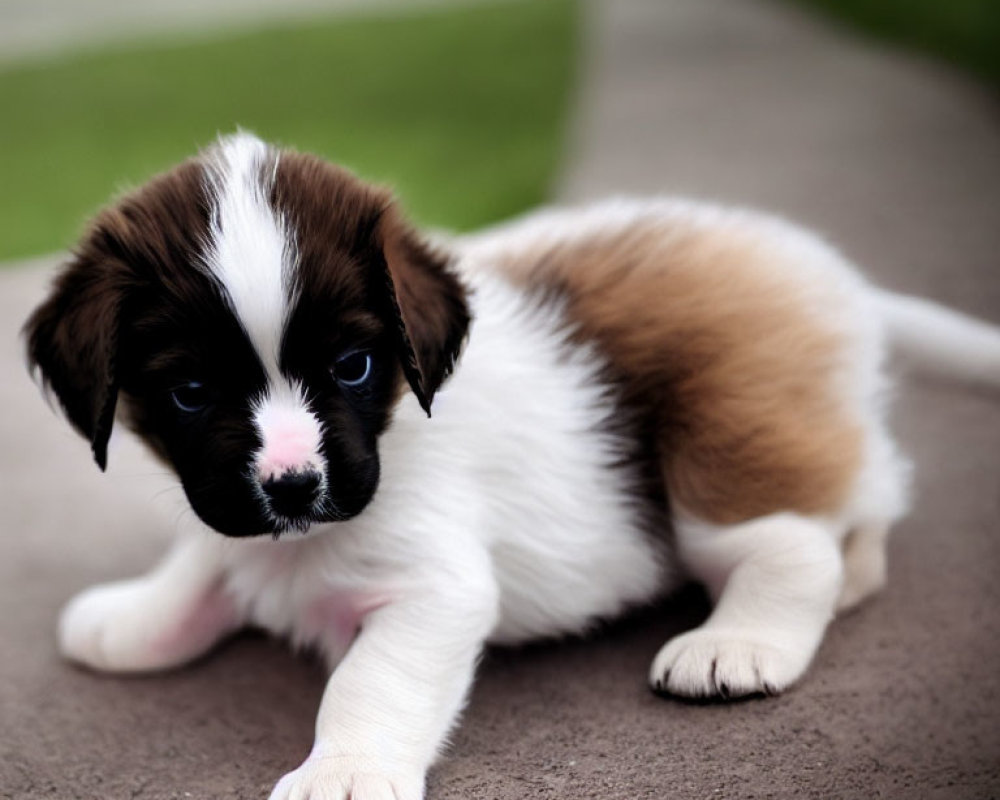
517,465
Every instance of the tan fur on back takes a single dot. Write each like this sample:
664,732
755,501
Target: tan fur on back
707,329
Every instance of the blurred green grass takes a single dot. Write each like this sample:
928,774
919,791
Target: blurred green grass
964,32
462,110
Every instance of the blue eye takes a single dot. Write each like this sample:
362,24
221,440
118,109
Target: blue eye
353,369
191,397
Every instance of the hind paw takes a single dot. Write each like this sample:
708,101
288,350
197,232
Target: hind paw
707,663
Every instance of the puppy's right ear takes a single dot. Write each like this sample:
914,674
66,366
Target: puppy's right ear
72,339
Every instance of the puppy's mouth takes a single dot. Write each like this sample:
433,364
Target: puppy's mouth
279,525
284,527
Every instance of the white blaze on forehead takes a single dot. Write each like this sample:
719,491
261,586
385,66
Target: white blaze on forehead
251,254
251,251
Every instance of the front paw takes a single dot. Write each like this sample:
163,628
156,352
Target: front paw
102,629
142,624
706,663
345,778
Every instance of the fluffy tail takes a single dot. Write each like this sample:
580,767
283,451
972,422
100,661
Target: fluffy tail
934,338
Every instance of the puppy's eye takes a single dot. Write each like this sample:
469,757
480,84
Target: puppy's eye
191,397
353,369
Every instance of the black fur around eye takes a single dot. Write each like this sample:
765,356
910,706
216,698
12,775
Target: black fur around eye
353,369
191,397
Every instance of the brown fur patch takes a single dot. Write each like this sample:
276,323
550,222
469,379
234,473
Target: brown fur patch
73,338
731,375
353,242
430,303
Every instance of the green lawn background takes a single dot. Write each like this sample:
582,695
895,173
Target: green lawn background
461,109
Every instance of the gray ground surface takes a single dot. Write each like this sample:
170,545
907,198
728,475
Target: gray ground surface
897,161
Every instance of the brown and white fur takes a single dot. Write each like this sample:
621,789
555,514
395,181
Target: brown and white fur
650,390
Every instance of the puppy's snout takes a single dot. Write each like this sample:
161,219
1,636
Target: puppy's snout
288,465
292,494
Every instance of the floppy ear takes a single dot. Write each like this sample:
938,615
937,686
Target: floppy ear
428,302
72,339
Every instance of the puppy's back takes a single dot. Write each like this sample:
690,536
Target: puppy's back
731,334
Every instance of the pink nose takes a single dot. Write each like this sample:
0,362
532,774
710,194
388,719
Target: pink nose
285,451
291,440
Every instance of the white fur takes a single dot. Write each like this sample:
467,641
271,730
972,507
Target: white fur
775,582
929,335
251,253
159,620
501,518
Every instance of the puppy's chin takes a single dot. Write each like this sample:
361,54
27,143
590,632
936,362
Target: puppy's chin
280,527
261,523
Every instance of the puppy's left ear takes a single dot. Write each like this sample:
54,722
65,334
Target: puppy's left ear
429,305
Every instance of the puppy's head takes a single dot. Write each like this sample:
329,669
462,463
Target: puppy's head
253,315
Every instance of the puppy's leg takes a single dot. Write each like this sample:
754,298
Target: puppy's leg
391,701
865,563
163,619
775,581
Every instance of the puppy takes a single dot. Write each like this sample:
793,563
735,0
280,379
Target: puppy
649,391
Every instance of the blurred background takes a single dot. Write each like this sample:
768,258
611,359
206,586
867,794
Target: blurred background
461,106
